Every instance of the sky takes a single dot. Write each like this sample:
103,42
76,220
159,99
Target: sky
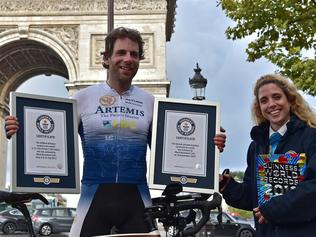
199,37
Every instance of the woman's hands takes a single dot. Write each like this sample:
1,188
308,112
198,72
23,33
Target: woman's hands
220,140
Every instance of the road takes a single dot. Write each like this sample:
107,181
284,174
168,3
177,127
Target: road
23,234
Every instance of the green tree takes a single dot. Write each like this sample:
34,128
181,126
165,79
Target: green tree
284,32
237,175
243,213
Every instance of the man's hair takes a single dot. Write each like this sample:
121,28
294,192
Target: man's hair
122,33
298,105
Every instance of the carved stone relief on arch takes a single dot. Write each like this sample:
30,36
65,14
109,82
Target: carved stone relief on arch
68,34
62,7
6,28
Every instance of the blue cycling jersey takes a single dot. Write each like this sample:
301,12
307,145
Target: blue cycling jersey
115,131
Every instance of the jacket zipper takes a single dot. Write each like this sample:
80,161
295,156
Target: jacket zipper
117,141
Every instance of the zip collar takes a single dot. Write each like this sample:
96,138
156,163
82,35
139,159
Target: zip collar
128,92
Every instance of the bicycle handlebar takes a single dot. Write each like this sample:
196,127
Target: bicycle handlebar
14,198
166,208
18,200
205,207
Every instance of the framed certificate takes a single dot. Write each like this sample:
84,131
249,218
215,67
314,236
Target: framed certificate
45,148
182,147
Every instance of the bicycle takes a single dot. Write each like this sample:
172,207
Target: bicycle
167,209
18,200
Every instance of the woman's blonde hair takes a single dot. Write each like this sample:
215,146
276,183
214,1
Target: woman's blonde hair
298,105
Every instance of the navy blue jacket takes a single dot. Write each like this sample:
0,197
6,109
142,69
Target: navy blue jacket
294,213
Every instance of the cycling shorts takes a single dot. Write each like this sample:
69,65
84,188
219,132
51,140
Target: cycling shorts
106,206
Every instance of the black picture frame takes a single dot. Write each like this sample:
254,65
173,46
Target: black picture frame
174,157
23,180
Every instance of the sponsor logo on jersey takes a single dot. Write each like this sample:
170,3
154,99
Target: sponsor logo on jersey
186,126
119,110
107,100
134,102
124,124
45,124
121,123
107,124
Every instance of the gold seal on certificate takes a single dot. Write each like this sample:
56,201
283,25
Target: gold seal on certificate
182,149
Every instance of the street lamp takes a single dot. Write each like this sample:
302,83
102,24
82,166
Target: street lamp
198,84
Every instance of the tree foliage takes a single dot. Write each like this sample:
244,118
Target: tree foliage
284,32
243,213
237,175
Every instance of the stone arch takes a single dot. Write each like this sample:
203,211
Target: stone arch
39,53
24,57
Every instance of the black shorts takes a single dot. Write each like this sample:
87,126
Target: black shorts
117,206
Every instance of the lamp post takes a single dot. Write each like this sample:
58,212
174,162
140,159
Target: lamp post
198,84
110,23
110,15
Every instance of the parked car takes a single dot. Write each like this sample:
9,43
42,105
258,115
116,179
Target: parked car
12,220
241,219
231,227
50,220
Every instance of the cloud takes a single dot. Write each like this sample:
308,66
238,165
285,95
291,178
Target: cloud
200,37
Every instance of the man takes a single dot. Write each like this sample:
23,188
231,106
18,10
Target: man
115,127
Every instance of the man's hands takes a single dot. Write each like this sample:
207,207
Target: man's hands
220,140
11,125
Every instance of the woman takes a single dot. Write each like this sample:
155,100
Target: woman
278,107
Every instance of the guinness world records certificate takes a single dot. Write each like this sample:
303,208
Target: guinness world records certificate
182,147
45,148
185,145
45,142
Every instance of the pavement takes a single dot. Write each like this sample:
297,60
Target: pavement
23,234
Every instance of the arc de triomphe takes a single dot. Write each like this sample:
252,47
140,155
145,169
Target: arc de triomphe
65,37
